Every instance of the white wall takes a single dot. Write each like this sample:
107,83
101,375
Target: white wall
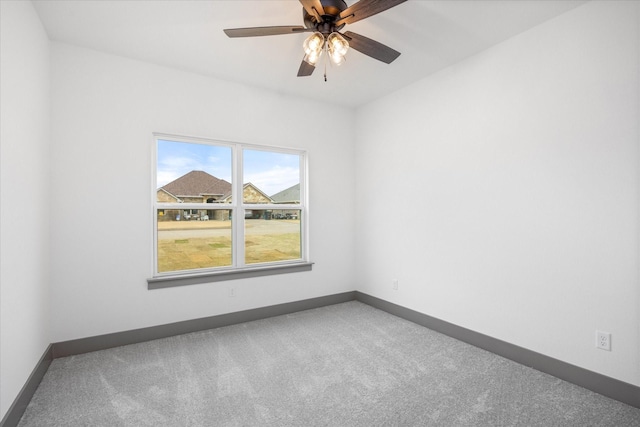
24,195
503,192
105,109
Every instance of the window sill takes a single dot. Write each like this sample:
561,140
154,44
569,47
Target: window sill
219,276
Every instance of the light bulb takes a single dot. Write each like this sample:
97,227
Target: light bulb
337,44
313,43
336,58
313,47
313,56
337,47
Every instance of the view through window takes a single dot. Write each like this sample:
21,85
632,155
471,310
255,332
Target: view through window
226,205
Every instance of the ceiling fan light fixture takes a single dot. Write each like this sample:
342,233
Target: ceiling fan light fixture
337,44
313,47
313,43
325,18
313,57
337,47
337,59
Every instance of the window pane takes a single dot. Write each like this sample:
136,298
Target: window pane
272,235
270,177
193,173
189,239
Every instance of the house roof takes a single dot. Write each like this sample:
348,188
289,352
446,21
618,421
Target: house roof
290,195
196,184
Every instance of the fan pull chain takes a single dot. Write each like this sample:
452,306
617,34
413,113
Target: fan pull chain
325,62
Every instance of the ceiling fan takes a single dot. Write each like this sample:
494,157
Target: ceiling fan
325,19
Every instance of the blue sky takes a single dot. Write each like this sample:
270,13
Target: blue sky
270,172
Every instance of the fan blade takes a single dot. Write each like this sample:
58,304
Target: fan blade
265,31
313,8
364,9
306,69
371,47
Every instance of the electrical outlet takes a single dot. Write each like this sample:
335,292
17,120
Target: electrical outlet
395,284
603,340
232,292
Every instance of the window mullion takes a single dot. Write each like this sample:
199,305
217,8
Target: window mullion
238,224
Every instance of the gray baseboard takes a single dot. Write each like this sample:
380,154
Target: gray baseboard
610,387
607,386
117,339
13,415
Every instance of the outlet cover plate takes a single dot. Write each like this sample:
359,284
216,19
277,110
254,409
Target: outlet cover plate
603,340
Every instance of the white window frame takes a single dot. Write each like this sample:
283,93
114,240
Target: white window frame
238,268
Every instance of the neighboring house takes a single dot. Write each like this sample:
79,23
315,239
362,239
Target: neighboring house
253,195
289,196
201,187
194,187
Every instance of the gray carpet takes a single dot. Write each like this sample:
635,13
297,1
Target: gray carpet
343,365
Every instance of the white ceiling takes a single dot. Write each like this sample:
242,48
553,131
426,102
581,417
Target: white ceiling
188,35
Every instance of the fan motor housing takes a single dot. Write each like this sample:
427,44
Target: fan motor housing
332,9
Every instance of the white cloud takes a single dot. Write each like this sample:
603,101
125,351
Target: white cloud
272,181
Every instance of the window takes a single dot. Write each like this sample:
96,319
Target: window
223,207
